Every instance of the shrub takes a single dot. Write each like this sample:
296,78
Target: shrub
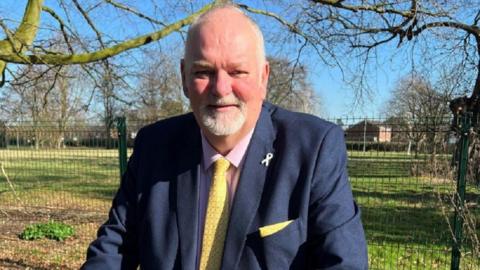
51,230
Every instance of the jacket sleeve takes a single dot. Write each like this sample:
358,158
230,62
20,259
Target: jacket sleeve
116,243
335,233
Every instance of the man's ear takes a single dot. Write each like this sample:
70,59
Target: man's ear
184,79
264,79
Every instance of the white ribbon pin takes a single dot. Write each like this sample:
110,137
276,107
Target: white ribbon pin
267,159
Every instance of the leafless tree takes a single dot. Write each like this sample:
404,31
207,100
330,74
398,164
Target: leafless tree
348,34
433,31
23,45
333,28
159,89
288,86
44,97
421,115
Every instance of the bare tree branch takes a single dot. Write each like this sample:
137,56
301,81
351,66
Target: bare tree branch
90,23
62,27
135,12
103,53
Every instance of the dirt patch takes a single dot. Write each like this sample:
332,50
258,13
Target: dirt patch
12,265
45,253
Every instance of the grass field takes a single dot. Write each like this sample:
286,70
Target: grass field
405,215
403,212
71,185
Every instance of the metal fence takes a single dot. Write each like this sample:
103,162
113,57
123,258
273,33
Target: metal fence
403,174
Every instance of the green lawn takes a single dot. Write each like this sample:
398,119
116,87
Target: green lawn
83,173
404,212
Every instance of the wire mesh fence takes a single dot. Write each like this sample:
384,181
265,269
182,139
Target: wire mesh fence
402,175
47,166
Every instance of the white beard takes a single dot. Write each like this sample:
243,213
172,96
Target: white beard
223,123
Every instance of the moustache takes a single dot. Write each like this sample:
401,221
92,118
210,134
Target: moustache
232,100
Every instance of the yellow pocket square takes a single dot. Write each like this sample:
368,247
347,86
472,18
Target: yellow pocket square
274,228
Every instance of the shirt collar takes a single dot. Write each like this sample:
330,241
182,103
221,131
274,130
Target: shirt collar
235,156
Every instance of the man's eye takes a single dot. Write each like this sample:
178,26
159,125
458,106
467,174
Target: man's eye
237,73
203,73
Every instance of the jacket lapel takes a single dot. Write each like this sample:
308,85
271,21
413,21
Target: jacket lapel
249,190
187,195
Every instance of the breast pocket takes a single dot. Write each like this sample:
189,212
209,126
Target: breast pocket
280,245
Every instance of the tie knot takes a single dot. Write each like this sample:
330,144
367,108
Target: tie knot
221,165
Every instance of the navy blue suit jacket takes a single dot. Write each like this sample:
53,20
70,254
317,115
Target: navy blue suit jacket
154,216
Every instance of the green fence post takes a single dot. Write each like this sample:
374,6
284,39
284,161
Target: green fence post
3,135
122,144
464,125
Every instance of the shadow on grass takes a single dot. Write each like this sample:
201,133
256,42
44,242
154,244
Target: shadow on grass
398,198
408,217
94,190
406,226
413,196
37,179
380,168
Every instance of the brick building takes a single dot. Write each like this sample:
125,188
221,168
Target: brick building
369,131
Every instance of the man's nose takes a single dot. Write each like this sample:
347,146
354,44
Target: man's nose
223,84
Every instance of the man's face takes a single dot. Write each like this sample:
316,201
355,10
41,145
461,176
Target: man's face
223,76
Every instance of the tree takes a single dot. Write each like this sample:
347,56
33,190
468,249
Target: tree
332,29
21,47
44,97
288,86
343,33
448,31
159,92
421,110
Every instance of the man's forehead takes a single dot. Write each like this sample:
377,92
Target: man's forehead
229,47
224,31
221,24
222,16
199,63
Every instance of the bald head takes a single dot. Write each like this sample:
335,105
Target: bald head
226,16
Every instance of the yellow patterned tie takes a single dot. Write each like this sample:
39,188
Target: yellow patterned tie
216,220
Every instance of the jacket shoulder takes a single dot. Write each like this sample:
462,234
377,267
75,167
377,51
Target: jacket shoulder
167,136
171,124
168,129
299,123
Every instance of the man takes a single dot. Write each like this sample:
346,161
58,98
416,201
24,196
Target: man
238,183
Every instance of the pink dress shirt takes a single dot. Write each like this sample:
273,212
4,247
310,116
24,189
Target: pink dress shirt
210,155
